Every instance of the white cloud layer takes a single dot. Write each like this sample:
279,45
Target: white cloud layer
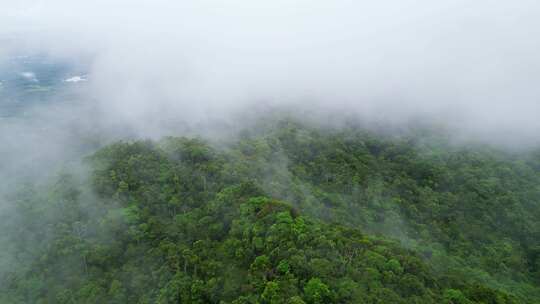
472,64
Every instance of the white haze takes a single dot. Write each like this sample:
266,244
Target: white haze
156,65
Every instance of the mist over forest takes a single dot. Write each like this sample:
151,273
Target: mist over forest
269,152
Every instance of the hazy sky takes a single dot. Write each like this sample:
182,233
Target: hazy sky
472,64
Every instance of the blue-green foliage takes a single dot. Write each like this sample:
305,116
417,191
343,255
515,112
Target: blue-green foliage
290,215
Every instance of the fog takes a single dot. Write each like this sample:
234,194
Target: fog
473,65
156,67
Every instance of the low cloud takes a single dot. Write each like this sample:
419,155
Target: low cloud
471,66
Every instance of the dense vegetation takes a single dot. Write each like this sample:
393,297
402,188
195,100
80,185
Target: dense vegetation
289,214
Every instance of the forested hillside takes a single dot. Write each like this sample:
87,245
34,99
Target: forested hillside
285,213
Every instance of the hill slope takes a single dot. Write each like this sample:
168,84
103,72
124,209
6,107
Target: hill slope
289,214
